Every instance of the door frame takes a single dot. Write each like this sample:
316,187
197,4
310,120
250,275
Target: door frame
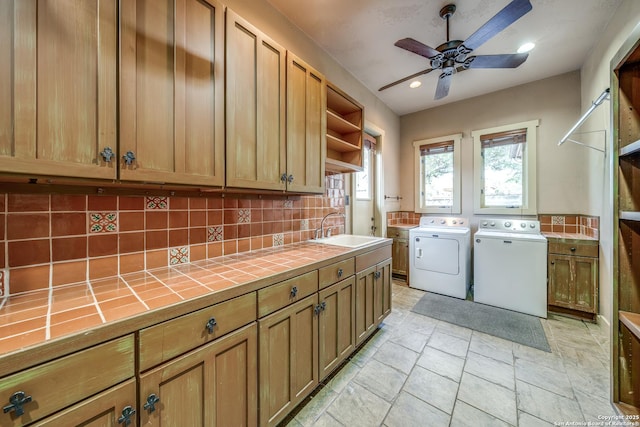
379,212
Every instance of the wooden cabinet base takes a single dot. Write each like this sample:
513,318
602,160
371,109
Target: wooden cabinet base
576,314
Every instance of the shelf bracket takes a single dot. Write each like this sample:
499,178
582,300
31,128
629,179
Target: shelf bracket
603,96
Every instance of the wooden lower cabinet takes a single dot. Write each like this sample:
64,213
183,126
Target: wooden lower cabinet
336,324
214,385
573,279
110,408
373,298
288,353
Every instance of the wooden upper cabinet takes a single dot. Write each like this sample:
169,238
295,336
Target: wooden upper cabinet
306,126
255,149
58,87
172,92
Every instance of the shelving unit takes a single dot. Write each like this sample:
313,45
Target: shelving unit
344,132
625,89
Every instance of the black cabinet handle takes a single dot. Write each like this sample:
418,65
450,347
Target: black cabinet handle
127,413
378,274
107,154
572,249
129,157
16,403
340,272
294,291
211,323
152,399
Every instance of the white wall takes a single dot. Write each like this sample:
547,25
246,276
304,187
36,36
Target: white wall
562,179
261,14
595,76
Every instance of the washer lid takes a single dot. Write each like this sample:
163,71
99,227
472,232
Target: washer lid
500,235
442,231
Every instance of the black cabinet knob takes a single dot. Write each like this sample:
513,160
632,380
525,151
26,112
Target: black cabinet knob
16,403
152,399
211,323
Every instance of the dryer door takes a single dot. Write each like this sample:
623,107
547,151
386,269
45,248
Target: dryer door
439,254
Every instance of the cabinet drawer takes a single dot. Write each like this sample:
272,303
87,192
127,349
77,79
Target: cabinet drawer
368,259
284,293
169,339
578,249
397,233
335,272
70,379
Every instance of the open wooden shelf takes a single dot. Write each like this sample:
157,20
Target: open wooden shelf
336,166
630,215
631,321
630,149
344,132
340,145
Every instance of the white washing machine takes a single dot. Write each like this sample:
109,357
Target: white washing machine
510,265
440,256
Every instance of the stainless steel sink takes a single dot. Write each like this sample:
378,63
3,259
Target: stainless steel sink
348,240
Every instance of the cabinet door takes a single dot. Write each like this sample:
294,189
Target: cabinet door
172,91
400,255
58,87
365,290
337,324
107,409
255,113
306,127
384,289
586,284
214,385
561,284
288,359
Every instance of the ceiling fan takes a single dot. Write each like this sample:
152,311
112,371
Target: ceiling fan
453,55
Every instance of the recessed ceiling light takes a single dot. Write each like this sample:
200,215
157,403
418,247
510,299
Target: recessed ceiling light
526,47
414,84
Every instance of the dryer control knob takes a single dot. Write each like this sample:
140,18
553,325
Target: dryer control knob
523,225
461,222
484,223
454,222
532,225
493,224
442,221
507,224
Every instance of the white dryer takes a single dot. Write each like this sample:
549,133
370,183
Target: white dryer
510,265
440,256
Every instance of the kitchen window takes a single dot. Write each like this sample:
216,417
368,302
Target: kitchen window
437,174
505,169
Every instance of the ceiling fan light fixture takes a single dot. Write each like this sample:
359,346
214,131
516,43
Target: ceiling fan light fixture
415,84
526,47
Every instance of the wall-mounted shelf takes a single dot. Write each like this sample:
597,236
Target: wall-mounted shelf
631,321
344,132
630,149
629,215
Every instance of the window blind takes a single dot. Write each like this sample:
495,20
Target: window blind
511,137
437,148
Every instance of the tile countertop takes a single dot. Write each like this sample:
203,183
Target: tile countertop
567,236
52,322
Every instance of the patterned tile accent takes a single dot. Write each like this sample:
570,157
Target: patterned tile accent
557,220
278,239
4,284
179,255
288,204
304,224
157,202
103,222
244,216
214,234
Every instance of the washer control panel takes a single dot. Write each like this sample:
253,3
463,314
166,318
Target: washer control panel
514,225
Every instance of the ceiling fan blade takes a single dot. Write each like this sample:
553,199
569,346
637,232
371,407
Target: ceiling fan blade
444,82
498,61
417,47
507,16
412,76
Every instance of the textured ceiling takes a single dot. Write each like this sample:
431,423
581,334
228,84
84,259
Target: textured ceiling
360,35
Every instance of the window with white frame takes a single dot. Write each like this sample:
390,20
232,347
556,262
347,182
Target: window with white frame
364,178
505,169
437,174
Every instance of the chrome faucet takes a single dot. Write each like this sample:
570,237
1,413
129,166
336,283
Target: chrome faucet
320,230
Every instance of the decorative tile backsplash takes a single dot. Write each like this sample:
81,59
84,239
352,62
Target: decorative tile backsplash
403,217
573,224
49,240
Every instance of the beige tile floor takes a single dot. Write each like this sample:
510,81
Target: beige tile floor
418,371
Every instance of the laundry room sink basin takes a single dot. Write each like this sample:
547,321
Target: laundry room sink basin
348,240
